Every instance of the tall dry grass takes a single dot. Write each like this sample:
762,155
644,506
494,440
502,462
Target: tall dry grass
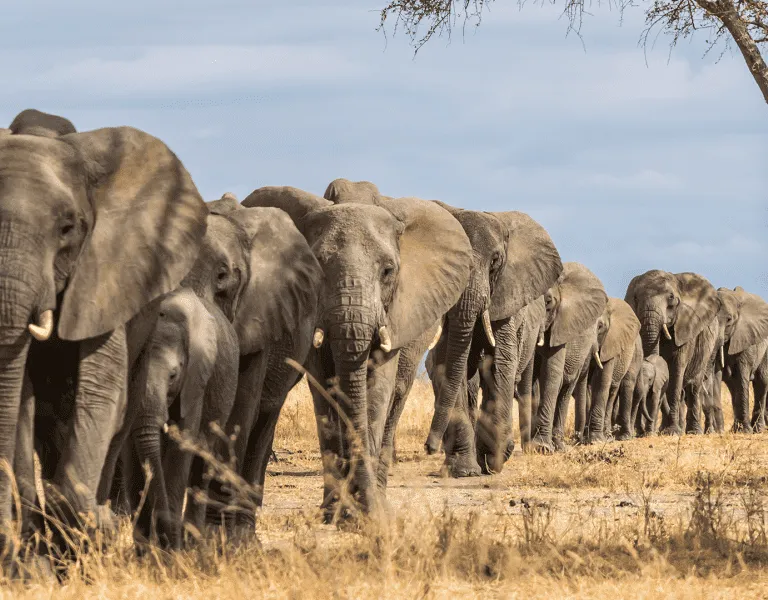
676,517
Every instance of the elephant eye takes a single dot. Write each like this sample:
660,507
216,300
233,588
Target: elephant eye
387,271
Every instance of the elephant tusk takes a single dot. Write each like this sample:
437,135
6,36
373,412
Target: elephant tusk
318,338
666,331
540,341
44,330
384,339
436,339
488,329
722,357
597,360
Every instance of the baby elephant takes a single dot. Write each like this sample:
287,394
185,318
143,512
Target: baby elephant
187,375
650,394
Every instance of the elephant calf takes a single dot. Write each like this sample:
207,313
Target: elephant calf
650,394
187,373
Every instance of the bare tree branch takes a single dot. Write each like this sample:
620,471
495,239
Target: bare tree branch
744,22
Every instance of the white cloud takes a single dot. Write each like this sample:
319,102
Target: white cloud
162,69
647,179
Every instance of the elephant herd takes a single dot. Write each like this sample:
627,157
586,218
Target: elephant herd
143,330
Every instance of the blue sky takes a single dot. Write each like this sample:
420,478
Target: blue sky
630,166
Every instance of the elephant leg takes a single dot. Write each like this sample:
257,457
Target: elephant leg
113,456
693,412
671,424
561,415
95,419
600,392
717,402
459,439
177,466
24,462
738,385
250,382
580,418
627,408
407,367
760,386
551,377
525,405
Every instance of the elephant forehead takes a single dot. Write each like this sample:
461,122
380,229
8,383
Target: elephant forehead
38,162
353,220
729,302
481,228
221,236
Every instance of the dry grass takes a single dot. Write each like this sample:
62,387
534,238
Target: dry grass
677,517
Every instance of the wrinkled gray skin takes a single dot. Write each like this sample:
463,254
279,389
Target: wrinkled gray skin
650,394
572,309
620,354
95,226
258,269
743,359
187,375
688,305
392,268
514,262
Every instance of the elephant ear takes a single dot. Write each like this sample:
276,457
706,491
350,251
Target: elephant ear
297,203
532,266
455,211
202,345
435,261
582,301
341,191
223,206
149,221
623,330
752,325
285,278
699,304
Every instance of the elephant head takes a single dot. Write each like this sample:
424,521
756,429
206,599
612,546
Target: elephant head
744,320
256,266
341,190
392,269
672,304
172,374
617,330
93,227
573,305
514,262
35,122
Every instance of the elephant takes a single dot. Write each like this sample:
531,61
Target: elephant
618,359
514,262
650,394
187,372
573,307
95,226
392,268
678,320
259,271
743,358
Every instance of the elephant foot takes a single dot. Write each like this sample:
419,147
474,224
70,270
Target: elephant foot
542,446
623,436
558,443
671,430
741,428
758,426
695,431
463,466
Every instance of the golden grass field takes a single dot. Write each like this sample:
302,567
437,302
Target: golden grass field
654,517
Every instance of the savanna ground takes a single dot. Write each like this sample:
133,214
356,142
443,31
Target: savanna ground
682,517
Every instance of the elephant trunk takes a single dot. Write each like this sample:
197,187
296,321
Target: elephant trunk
352,323
461,324
651,324
25,292
148,444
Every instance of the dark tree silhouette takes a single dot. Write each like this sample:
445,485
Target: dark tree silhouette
744,22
